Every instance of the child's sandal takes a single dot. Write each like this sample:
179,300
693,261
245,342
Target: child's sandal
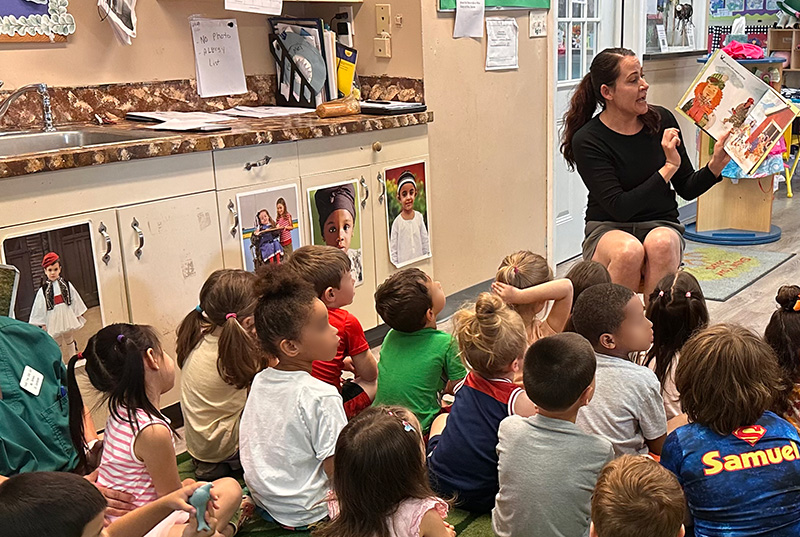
243,515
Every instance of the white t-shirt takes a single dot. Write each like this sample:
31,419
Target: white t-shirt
627,407
289,426
672,403
408,240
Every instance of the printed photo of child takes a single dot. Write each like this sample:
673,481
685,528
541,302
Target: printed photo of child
274,232
407,214
335,221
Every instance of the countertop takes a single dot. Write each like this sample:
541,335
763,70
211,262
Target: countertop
244,132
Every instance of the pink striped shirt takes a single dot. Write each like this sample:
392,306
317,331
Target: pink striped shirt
285,220
120,469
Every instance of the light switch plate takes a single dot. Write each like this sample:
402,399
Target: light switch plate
538,23
383,19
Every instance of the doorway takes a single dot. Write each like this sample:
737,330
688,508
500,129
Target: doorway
583,28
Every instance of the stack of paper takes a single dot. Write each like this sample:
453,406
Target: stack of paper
218,57
264,111
182,121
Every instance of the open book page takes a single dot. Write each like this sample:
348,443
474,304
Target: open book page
721,95
753,136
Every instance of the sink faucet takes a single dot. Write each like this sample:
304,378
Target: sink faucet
42,90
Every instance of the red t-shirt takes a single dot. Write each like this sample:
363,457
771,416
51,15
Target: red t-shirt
352,341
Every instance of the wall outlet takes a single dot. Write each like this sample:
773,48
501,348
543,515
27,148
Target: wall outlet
383,47
538,23
383,19
348,10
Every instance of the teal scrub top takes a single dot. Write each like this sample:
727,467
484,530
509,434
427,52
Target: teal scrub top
34,430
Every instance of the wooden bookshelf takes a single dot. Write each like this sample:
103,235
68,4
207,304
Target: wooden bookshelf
785,40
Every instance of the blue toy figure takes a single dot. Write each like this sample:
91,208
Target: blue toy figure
199,499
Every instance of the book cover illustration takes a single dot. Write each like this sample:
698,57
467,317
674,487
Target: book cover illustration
726,96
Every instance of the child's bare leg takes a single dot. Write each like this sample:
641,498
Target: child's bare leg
438,425
230,498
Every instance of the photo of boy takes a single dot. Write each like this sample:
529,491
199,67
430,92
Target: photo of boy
407,214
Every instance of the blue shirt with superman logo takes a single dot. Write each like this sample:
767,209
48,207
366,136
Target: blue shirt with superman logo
743,484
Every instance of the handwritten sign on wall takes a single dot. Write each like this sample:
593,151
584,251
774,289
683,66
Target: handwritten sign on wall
217,57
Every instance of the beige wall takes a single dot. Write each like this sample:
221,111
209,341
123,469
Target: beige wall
163,49
488,150
668,82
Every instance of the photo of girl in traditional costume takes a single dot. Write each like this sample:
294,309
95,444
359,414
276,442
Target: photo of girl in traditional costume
273,234
335,222
407,214
58,307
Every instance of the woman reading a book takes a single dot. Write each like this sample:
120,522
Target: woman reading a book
632,160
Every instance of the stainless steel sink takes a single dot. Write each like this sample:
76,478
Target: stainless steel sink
20,143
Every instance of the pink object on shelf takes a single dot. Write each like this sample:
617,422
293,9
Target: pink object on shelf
743,51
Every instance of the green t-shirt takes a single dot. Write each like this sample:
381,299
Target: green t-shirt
34,429
414,367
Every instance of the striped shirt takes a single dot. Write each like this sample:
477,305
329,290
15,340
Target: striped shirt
120,469
286,234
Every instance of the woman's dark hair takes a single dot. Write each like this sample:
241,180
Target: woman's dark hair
583,275
677,310
727,377
115,369
48,503
604,71
285,302
783,335
225,292
379,463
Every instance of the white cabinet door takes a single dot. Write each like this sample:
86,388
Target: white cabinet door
169,248
236,213
380,223
364,305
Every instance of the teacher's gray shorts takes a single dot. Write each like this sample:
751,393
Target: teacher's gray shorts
595,230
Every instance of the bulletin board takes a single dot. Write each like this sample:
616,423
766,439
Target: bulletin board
450,5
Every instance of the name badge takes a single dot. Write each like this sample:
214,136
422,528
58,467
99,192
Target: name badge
31,381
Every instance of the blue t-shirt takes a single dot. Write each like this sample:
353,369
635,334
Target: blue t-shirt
463,459
743,484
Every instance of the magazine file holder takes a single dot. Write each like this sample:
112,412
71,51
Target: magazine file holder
294,75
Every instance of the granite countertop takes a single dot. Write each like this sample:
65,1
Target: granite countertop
244,132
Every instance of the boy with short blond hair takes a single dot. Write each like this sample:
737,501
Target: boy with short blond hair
636,497
328,270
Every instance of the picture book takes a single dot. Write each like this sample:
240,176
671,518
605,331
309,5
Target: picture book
726,96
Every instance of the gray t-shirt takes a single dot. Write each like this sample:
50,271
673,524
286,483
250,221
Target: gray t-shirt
547,469
627,407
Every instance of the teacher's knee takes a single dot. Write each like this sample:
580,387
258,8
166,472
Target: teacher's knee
629,253
663,245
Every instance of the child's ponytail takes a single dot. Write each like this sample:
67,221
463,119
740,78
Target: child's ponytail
76,423
490,336
677,310
227,298
783,331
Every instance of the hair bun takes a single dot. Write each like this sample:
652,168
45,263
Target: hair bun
787,297
276,282
487,305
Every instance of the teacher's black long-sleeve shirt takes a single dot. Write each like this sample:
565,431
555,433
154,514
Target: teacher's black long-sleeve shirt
621,173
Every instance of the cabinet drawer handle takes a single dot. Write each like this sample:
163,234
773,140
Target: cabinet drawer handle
363,184
135,226
232,209
382,182
263,162
103,231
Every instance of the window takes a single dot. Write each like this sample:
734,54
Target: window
578,22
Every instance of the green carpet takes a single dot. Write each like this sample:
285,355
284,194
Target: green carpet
723,271
466,524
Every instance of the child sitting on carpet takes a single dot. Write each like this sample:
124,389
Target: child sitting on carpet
379,482
738,462
677,310
634,497
126,363
61,504
783,335
462,458
627,407
417,361
328,270
525,281
290,423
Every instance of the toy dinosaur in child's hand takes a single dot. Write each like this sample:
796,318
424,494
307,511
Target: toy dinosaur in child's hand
199,499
